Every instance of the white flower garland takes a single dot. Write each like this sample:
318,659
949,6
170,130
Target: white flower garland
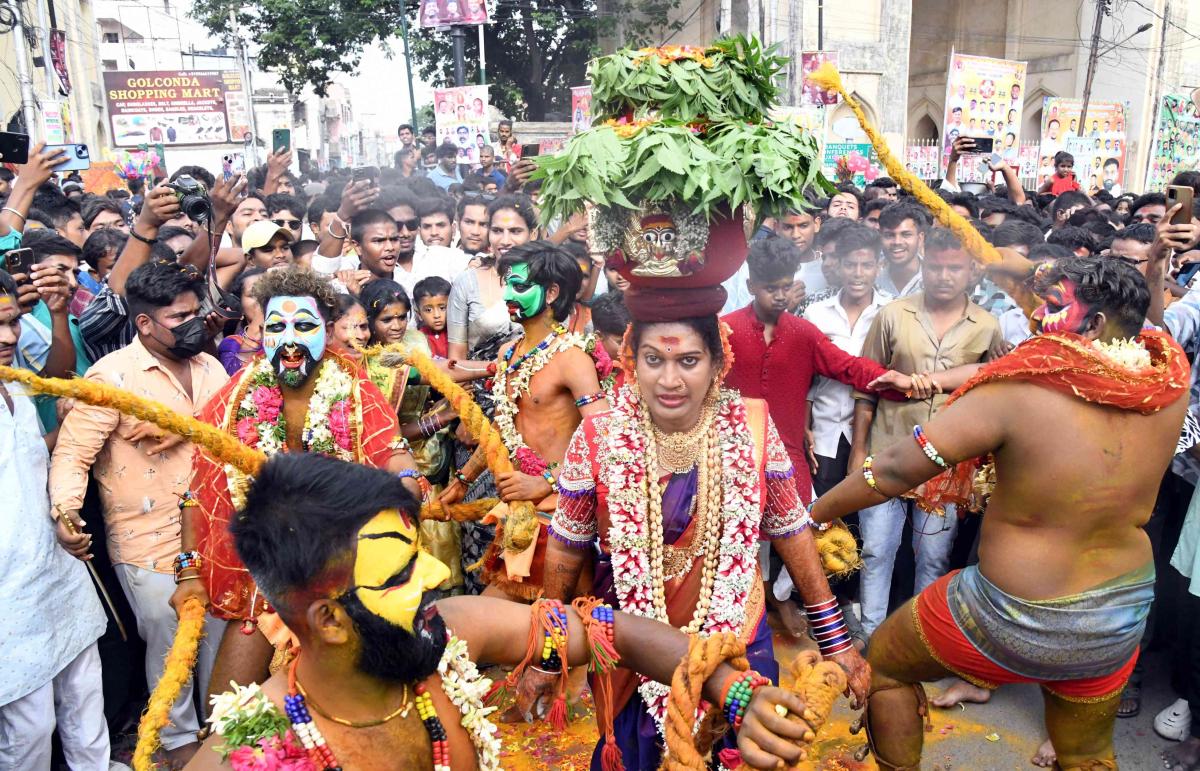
333,385
466,688
1126,353
623,466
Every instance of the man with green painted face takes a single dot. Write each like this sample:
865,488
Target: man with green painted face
546,381
298,396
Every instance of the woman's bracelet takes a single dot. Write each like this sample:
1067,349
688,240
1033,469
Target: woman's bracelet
828,627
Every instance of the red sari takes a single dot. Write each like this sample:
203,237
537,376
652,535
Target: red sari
230,588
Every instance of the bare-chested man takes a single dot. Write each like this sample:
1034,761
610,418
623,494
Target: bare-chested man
546,382
384,677
1081,429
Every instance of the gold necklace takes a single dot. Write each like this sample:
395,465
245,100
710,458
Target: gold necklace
679,452
402,710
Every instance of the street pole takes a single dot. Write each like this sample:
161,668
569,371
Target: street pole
412,99
458,36
28,111
1101,10
820,25
247,87
1155,94
482,61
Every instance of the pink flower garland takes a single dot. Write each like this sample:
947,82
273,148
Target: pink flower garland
272,754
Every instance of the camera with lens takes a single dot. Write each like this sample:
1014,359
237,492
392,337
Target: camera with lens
193,198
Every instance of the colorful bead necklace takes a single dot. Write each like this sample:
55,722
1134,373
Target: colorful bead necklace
296,707
556,330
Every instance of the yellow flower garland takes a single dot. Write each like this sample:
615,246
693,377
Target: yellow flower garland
176,671
826,77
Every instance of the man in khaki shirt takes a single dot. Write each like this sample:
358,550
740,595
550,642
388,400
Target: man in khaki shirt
141,474
932,331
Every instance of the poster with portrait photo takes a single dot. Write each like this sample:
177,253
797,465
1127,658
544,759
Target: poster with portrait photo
581,108
983,99
444,13
811,95
1176,145
1099,153
461,118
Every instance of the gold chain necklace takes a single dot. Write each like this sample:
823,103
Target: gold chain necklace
402,710
679,452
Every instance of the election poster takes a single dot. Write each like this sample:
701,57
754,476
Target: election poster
176,107
983,101
461,118
811,95
1099,152
445,13
1176,138
581,108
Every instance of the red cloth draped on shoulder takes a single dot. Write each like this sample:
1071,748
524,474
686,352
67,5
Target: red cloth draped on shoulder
1070,364
229,584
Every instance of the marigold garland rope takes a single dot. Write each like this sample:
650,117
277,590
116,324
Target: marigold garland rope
687,751
838,550
819,683
521,525
826,77
177,671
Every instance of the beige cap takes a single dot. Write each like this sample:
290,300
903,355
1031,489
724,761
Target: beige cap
260,233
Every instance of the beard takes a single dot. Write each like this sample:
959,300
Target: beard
394,654
294,378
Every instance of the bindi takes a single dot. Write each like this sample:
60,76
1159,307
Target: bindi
668,343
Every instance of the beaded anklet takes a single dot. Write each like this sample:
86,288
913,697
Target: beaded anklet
828,627
928,448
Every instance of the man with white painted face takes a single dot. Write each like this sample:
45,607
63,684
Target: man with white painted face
298,396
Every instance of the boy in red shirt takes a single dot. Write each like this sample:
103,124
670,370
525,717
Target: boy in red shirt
430,296
1064,175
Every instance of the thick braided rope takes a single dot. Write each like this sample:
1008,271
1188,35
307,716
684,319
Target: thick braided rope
818,683
705,654
219,443
826,76
838,550
521,526
176,672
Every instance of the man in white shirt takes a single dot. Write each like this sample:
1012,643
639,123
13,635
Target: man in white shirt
902,226
845,319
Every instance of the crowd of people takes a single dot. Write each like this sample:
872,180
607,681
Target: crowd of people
280,308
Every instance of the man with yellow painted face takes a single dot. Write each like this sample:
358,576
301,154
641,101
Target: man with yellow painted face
297,396
546,382
384,672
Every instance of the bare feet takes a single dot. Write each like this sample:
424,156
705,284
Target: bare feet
1045,756
790,616
961,691
1185,757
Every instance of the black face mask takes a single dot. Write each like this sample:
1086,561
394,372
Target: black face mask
190,337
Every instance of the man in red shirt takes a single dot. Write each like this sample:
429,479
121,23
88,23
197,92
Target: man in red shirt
776,354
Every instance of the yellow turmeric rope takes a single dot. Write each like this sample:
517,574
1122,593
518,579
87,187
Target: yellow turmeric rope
818,683
838,550
687,749
176,672
826,76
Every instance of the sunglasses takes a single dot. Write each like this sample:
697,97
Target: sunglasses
411,225
289,224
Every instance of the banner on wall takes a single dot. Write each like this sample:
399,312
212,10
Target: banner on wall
983,100
444,13
460,116
1176,138
860,157
811,95
176,107
581,108
1099,154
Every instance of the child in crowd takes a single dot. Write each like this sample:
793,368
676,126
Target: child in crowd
431,296
1064,174
610,318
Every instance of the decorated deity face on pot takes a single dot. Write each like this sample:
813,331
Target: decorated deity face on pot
525,299
676,364
662,243
293,338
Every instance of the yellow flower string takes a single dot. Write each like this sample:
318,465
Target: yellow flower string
520,528
220,444
838,550
176,671
826,76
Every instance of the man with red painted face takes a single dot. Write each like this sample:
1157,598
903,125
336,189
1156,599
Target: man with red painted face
1065,575
546,382
297,396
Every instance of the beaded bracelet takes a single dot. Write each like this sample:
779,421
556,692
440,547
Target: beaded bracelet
820,527
186,560
461,477
928,448
828,627
554,636
737,696
868,474
551,480
584,401
408,473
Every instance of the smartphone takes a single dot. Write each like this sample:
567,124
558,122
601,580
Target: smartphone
1187,273
983,145
364,173
19,261
530,150
78,157
281,139
14,148
1180,194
